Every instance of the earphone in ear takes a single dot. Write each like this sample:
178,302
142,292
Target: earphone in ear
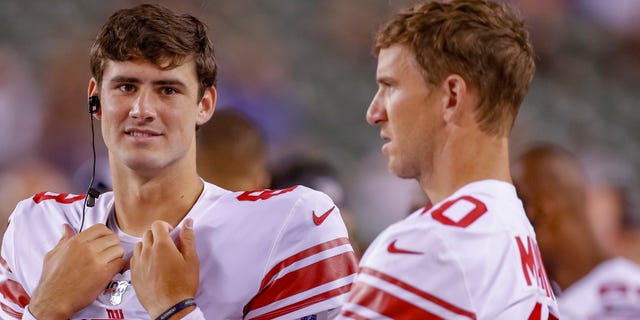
94,104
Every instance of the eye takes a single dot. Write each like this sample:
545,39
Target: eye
386,85
127,87
169,91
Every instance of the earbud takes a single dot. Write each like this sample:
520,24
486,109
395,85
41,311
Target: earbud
94,104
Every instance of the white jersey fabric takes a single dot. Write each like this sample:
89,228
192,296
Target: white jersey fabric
610,291
471,256
269,254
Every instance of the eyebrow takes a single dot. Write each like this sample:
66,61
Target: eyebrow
163,82
385,79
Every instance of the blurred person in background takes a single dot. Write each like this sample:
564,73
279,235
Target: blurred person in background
20,126
232,152
308,171
612,203
65,131
24,179
591,283
165,244
451,76
101,178
21,109
319,174
374,213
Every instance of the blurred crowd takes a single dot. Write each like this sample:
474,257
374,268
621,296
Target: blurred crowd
302,72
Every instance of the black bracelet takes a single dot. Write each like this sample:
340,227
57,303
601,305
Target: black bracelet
176,308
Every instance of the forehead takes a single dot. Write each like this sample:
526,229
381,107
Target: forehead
396,58
142,70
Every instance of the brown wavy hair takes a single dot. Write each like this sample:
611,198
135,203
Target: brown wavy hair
482,41
156,34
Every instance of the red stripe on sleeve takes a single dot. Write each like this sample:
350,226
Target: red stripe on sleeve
10,311
14,292
299,256
387,304
4,264
353,315
536,313
304,303
418,292
303,279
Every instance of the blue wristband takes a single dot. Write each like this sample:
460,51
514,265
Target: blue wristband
176,308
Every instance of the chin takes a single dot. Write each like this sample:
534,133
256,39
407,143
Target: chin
142,163
142,167
400,170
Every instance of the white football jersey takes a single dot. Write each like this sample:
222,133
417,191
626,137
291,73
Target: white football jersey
263,255
471,256
610,291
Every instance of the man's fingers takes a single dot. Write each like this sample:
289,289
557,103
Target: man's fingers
147,239
188,242
94,232
116,265
137,251
160,230
113,253
68,232
105,242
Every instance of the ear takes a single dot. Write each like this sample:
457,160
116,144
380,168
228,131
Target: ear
455,91
93,91
207,105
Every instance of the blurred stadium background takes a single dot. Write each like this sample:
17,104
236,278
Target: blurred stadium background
303,69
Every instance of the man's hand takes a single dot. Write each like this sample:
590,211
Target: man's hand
76,271
162,273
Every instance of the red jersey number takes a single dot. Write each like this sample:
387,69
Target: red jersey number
263,194
60,198
478,210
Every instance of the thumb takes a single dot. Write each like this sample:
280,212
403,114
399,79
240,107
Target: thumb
188,241
68,232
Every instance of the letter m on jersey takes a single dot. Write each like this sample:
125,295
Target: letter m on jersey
532,266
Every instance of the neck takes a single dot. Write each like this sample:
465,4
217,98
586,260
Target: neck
167,196
464,158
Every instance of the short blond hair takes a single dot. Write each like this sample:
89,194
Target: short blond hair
483,42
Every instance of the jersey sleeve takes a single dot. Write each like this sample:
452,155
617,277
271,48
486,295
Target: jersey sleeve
408,275
312,264
13,297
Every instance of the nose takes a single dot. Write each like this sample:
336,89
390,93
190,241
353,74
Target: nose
143,107
376,113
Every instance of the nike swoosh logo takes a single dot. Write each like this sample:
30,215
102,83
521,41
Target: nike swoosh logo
319,220
393,249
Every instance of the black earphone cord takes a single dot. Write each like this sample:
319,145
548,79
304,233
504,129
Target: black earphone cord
92,194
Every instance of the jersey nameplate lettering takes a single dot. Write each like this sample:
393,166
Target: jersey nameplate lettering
532,266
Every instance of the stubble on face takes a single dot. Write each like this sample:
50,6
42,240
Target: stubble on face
413,120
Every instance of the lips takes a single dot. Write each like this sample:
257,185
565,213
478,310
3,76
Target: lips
384,137
386,143
141,133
